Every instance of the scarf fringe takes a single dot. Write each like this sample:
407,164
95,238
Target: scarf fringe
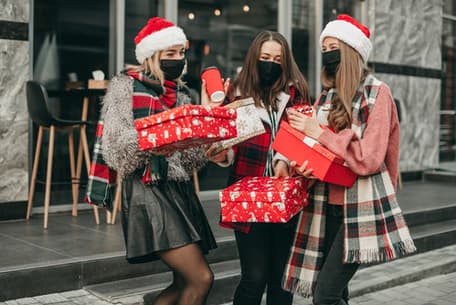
365,256
295,285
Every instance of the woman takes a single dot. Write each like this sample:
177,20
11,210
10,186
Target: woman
161,214
361,224
270,76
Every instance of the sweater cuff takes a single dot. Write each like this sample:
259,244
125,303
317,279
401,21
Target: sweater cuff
327,136
229,160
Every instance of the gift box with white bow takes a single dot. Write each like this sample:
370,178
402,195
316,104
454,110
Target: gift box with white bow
326,165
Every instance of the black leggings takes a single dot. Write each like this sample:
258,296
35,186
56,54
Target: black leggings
332,281
263,255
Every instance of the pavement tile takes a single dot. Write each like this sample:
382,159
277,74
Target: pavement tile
27,301
74,293
51,298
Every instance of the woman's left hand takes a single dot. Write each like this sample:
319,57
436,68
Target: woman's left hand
307,125
281,169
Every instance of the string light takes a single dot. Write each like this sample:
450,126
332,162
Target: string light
246,8
217,12
191,16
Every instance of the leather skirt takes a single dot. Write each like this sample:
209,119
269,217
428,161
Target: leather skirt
160,217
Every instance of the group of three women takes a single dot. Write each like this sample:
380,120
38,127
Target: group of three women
318,251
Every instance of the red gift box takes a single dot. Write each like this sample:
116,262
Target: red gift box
186,126
326,165
263,199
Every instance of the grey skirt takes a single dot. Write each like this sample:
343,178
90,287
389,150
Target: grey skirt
160,217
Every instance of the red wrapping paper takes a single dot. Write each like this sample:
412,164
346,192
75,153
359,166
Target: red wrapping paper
186,126
263,199
326,165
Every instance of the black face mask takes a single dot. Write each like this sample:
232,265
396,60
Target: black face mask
331,60
269,72
172,68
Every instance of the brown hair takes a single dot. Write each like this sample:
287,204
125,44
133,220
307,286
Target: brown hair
247,83
350,73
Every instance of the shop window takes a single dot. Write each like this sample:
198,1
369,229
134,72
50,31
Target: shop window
70,40
220,33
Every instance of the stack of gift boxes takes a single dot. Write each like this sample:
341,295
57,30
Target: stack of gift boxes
252,199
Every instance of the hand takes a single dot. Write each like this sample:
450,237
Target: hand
307,125
217,158
302,170
281,169
205,99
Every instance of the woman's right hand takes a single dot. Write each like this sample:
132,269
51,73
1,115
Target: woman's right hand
216,158
301,170
206,100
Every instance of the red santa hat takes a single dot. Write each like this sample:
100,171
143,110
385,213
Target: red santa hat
351,32
158,34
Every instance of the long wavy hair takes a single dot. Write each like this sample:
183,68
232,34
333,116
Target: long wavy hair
247,83
350,73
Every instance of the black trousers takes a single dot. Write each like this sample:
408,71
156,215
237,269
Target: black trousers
332,281
263,255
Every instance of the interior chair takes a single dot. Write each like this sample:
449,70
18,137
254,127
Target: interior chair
37,104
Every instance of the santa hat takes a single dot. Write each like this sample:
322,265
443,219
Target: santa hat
158,34
350,31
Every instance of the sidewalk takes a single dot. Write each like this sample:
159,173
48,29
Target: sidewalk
430,279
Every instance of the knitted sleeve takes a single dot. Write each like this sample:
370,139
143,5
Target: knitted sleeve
379,144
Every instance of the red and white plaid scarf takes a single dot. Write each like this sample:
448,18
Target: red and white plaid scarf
374,227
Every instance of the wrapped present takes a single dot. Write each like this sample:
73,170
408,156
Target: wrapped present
326,165
263,199
248,124
185,126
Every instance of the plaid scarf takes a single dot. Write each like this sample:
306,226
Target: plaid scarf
148,97
374,227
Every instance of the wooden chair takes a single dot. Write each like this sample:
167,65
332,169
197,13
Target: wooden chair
37,105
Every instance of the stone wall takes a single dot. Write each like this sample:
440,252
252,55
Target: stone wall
14,72
408,34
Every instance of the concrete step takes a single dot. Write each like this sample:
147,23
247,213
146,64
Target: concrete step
430,215
439,176
427,237
426,205
69,274
131,291
367,279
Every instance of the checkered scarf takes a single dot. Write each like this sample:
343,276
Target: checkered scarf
374,227
148,96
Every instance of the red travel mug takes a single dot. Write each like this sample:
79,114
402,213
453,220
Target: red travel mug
214,85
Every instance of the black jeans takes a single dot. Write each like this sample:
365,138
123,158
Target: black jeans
332,281
263,255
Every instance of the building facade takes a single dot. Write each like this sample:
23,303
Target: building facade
55,41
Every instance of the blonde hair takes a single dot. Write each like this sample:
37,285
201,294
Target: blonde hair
151,67
350,73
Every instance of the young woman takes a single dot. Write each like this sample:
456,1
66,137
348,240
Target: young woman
361,224
161,213
271,76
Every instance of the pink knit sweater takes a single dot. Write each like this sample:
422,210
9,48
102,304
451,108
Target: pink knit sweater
380,143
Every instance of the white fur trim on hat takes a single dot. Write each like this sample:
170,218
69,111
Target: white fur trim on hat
350,34
158,41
